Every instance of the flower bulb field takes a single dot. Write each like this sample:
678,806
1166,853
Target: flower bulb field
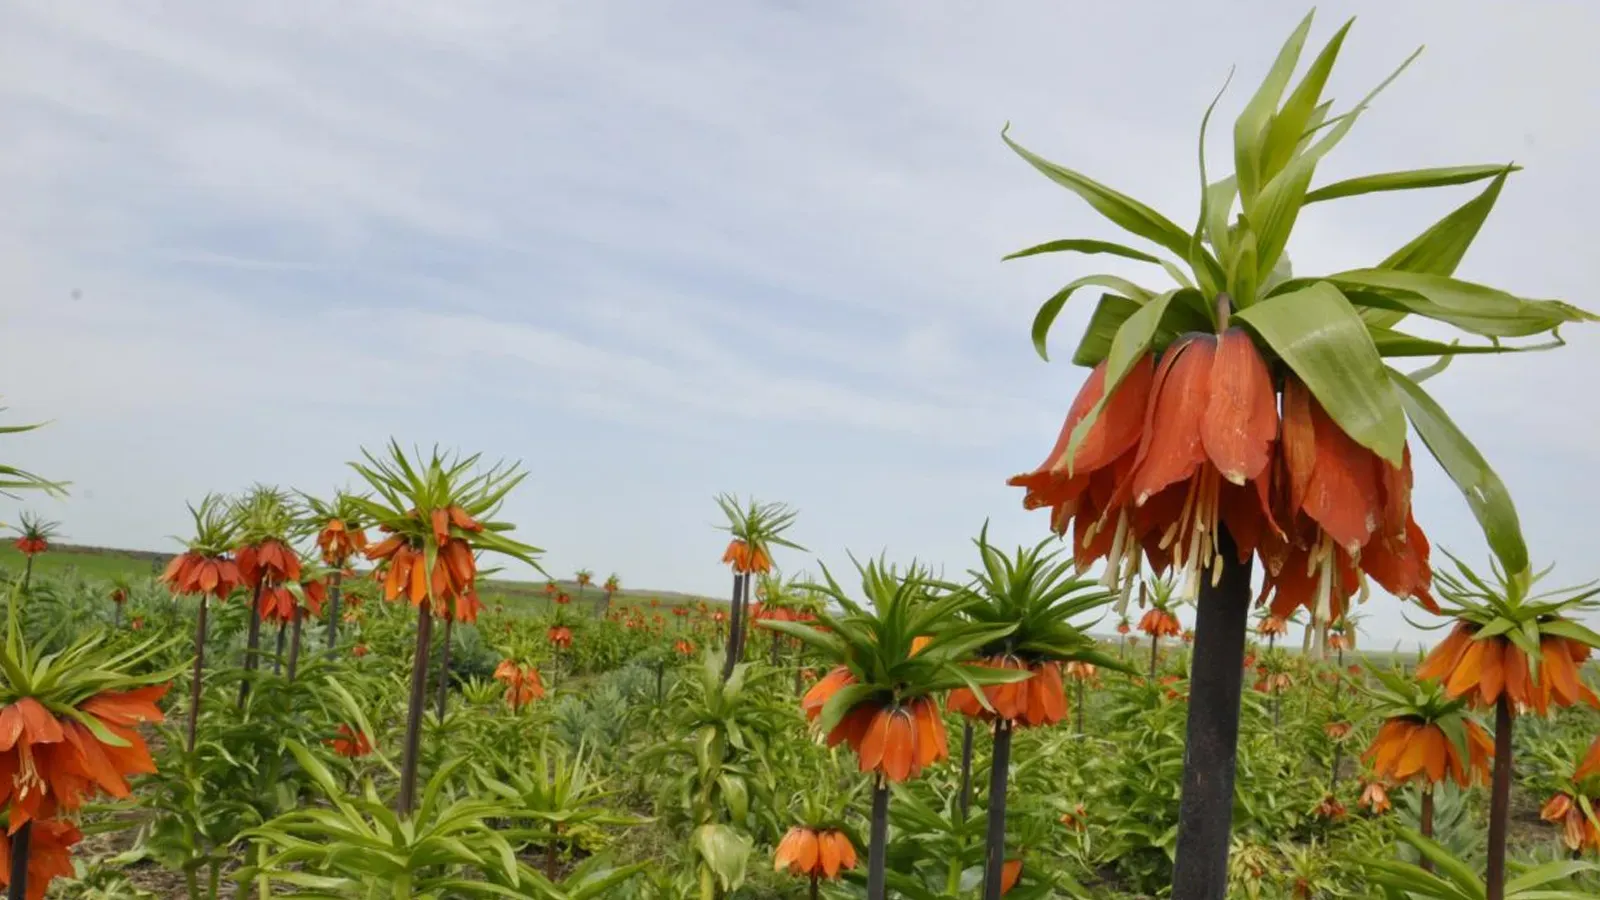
1173,689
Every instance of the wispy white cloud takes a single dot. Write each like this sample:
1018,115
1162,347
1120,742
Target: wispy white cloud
663,251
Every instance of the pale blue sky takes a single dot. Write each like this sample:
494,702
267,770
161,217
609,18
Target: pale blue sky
657,251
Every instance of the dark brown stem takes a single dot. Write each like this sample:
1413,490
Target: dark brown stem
877,842
1155,650
27,573
772,656
995,843
199,669
334,591
414,713
277,656
252,644
1205,814
550,855
19,858
294,643
815,889
116,617
728,646
1427,822
444,666
1500,800
966,768
1082,692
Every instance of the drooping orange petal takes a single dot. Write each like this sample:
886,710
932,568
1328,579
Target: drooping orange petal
1342,495
806,851
828,854
1590,766
1467,671
1113,433
1441,661
1170,450
900,744
875,742
1492,677
847,851
1241,417
1010,871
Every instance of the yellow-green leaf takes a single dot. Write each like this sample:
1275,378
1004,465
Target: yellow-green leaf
1412,179
1046,316
1486,494
1126,212
1251,128
1317,333
1084,245
1470,307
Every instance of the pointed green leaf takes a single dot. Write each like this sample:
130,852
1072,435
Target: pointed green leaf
1486,494
1251,128
1412,179
1317,333
1291,123
1046,316
1084,245
1124,211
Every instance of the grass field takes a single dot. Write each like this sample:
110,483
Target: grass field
526,596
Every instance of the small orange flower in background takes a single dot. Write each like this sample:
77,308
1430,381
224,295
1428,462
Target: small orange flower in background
1272,681
49,855
1079,670
563,599
1176,687
1375,798
683,647
193,572
523,684
1036,701
1010,871
560,636
1273,626
814,853
339,542
1123,627
1337,731
137,623
1076,818
1577,831
1188,635
270,562
359,650
1330,808
31,546
1159,623
350,743
1482,669
1409,748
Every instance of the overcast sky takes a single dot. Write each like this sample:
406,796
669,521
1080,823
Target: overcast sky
658,251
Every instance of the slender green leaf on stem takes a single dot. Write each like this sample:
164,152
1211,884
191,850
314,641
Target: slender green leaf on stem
1085,245
1291,123
1317,333
1486,494
1412,179
1048,312
1473,308
1250,130
1124,211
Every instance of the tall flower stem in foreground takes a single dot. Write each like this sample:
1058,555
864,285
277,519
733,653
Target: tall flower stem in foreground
1499,800
1205,813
